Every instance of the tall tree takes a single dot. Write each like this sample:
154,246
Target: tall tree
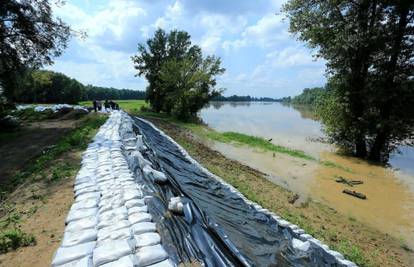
180,80
148,62
29,37
368,46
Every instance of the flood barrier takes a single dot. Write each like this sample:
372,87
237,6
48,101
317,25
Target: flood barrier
141,200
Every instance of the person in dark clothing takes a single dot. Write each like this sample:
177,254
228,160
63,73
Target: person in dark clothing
99,104
106,104
95,105
112,104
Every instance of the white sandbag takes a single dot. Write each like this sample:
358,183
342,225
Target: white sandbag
164,263
76,214
134,203
141,161
147,239
85,223
84,185
137,209
86,190
119,213
88,195
150,255
112,250
123,233
82,236
84,262
132,194
126,261
67,254
86,203
143,227
139,217
155,175
176,205
300,245
140,143
116,222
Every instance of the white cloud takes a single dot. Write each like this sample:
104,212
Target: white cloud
290,57
171,17
116,18
265,33
217,27
260,57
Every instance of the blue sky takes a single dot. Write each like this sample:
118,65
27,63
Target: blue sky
260,56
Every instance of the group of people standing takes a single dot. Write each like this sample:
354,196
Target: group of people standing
107,105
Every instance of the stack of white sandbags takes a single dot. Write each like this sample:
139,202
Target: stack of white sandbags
54,108
109,223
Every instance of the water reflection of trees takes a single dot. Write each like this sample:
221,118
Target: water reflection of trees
306,111
219,104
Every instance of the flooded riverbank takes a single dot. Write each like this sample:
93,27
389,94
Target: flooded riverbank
389,206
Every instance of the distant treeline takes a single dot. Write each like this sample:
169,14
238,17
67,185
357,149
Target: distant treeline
309,96
44,86
236,98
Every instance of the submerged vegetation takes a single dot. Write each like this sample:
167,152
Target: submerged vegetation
256,142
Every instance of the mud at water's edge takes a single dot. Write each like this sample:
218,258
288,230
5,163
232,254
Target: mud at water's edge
390,203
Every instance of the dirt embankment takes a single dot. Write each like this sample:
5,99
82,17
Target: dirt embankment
29,143
360,243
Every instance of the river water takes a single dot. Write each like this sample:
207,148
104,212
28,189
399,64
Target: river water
389,206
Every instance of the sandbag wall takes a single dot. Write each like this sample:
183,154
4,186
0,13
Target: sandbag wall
109,223
254,235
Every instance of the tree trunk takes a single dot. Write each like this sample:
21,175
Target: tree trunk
381,139
378,147
360,147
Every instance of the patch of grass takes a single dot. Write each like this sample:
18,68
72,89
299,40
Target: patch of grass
12,218
13,239
331,164
79,138
257,142
354,253
62,170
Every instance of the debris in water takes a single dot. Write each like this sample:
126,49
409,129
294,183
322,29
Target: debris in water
292,199
348,182
354,193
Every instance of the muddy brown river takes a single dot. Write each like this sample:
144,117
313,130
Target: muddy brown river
389,206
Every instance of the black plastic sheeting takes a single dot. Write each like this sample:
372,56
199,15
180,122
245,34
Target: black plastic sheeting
218,227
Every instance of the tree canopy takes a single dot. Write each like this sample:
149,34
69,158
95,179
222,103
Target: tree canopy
29,37
180,80
309,96
44,86
369,49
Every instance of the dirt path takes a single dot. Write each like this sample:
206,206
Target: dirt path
29,143
43,208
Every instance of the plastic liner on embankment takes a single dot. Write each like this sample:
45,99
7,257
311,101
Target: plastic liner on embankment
141,200
253,235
